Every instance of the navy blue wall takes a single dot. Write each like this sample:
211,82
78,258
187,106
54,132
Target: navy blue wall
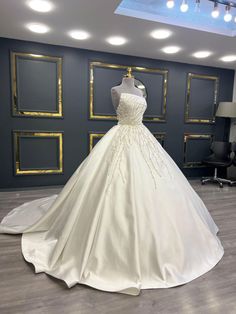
76,124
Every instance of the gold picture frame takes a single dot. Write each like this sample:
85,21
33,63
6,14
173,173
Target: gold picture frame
191,76
44,134
92,137
41,114
93,64
161,136
187,136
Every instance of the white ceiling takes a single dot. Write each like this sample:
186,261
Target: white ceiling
98,18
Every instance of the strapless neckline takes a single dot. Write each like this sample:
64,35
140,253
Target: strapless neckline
131,95
124,93
131,109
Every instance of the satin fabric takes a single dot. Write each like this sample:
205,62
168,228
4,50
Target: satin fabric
126,220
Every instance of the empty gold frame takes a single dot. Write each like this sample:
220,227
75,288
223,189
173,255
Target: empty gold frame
188,136
188,104
92,137
164,73
16,111
160,136
17,135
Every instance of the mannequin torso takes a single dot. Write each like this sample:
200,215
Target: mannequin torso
127,86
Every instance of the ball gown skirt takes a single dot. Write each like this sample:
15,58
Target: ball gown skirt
126,220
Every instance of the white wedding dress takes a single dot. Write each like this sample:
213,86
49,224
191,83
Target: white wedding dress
126,220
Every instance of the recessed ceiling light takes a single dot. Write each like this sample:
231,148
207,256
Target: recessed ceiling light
202,54
161,33
229,58
171,49
116,40
40,5
80,35
38,28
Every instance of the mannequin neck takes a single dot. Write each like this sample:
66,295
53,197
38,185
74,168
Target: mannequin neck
128,81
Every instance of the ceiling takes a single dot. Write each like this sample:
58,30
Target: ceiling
157,10
98,18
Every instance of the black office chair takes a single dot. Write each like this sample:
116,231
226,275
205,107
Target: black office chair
233,182
220,158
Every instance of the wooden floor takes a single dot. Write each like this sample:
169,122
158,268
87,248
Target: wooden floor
23,291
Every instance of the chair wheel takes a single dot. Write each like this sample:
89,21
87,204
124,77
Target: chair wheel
202,182
221,185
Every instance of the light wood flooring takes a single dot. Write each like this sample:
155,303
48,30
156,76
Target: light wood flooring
22,291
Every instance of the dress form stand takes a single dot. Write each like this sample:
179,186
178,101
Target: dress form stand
126,86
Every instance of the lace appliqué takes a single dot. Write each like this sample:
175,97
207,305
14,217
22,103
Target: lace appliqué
131,131
150,148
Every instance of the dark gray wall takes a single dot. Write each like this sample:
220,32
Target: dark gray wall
76,124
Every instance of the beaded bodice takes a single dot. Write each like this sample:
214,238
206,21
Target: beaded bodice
131,109
132,135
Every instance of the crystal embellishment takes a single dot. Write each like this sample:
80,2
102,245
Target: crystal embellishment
132,131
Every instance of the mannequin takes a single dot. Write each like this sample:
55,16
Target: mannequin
127,86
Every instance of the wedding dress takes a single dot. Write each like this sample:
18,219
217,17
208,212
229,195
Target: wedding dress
126,220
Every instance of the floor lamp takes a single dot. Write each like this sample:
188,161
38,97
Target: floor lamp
227,110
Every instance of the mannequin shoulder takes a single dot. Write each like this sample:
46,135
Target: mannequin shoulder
140,92
115,90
